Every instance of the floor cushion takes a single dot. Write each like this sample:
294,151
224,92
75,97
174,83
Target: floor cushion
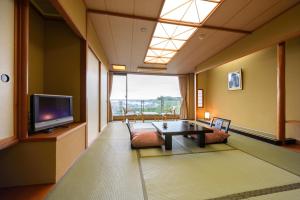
216,137
146,139
145,135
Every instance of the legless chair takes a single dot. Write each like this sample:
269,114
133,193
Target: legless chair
220,134
128,113
170,113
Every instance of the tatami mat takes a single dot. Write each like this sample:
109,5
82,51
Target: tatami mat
209,175
108,170
288,195
182,145
276,155
194,148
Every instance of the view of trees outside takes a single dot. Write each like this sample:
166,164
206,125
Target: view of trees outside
159,105
146,93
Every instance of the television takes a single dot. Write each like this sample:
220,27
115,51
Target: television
50,111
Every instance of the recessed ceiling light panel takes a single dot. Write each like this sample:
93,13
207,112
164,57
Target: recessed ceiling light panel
119,67
193,11
167,38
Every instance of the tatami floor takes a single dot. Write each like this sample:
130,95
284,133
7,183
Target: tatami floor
243,169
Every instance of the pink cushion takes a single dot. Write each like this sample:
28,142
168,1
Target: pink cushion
146,139
215,137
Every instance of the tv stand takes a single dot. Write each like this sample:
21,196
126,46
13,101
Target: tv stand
49,130
56,151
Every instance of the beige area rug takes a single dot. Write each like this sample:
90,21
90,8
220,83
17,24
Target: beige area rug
182,145
209,175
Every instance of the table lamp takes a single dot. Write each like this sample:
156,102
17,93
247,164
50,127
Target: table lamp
207,115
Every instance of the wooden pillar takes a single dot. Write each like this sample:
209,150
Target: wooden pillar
280,128
83,65
22,63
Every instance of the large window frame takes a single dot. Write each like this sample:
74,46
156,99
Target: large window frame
143,102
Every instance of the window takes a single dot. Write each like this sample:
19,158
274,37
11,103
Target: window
145,93
118,94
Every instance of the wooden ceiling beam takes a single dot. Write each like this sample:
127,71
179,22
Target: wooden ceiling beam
153,19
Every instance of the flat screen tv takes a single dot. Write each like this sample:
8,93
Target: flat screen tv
49,111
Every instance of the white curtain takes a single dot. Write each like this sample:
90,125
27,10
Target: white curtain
110,83
183,79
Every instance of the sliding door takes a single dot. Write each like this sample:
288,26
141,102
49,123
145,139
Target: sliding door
7,72
93,96
104,76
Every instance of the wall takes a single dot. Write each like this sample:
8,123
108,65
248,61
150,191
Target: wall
292,86
74,12
93,110
104,77
95,43
54,59
36,53
7,67
254,107
62,63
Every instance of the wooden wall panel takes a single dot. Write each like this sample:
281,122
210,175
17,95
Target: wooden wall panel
93,96
68,149
7,67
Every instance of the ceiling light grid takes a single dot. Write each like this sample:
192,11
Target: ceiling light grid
167,38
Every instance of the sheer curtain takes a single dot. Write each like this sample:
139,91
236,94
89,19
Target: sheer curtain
183,91
110,83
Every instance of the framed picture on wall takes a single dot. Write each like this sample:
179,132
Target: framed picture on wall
235,80
200,98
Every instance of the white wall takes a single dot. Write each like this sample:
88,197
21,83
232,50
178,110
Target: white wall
103,96
7,67
93,117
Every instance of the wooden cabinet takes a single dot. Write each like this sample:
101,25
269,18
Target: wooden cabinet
7,73
42,158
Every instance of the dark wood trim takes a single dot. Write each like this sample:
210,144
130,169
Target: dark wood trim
153,19
22,67
16,42
83,66
152,68
7,142
100,99
280,125
293,121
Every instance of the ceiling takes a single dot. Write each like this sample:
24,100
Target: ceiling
126,40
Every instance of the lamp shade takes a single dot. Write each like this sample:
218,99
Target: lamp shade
206,115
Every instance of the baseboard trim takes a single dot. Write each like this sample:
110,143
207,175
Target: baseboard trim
263,138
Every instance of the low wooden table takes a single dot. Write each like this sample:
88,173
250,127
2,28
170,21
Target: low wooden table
181,128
